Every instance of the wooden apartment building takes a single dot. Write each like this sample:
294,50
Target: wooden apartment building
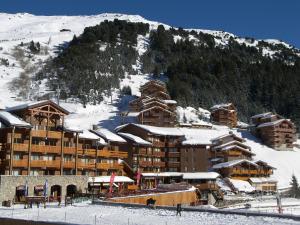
232,158
224,114
35,141
274,131
154,106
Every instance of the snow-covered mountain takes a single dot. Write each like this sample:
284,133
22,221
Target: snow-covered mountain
55,31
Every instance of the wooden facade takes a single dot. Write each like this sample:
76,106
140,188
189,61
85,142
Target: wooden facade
46,147
275,131
154,105
224,114
164,153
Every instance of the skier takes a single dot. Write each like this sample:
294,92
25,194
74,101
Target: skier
178,209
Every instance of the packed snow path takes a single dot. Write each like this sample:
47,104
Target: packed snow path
84,213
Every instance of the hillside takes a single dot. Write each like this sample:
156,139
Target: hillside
202,68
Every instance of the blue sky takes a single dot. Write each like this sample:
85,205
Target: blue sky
276,19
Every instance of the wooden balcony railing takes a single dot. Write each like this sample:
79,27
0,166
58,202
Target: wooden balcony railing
46,149
88,152
53,163
44,133
38,163
107,166
19,147
70,150
84,165
173,164
159,164
112,154
159,154
145,163
159,144
69,164
173,154
20,163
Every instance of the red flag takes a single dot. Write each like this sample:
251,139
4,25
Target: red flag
112,178
138,178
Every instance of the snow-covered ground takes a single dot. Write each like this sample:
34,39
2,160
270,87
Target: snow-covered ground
84,213
265,204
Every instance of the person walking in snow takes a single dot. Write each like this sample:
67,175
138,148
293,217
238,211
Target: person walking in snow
178,210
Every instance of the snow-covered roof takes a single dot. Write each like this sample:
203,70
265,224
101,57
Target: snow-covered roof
169,101
162,174
241,185
261,115
134,138
223,105
133,114
106,179
156,107
201,176
194,136
88,135
227,135
10,120
232,143
36,104
263,180
108,135
163,131
264,163
233,163
272,123
227,148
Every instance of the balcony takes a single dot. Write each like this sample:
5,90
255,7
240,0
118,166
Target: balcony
112,154
173,154
69,164
159,164
159,144
109,166
159,154
53,164
173,164
37,163
44,133
19,147
46,149
70,150
20,163
141,151
83,165
145,163
88,152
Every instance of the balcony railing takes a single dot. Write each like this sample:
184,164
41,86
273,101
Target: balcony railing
89,152
107,166
70,150
174,154
207,186
44,133
69,164
112,154
145,163
159,164
159,154
174,164
20,163
84,165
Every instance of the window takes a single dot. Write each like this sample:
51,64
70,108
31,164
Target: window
17,140
34,172
16,172
17,156
35,157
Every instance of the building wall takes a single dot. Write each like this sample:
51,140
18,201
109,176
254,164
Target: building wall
8,184
194,159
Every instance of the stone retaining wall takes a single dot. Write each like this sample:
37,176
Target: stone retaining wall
8,184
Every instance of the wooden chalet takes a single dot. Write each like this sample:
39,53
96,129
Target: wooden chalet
229,147
35,141
153,86
275,131
157,116
264,184
224,114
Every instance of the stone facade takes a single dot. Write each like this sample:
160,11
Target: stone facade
8,184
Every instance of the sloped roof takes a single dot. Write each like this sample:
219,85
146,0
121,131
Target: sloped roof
262,180
106,179
221,106
36,104
135,139
232,143
108,135
201,176
261,115
10,120
228,135
268,124
233,163
156,107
